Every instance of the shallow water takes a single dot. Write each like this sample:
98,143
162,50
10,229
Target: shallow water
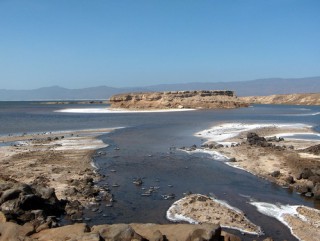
147,149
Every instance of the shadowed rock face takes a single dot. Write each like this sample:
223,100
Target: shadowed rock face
22,203
203,99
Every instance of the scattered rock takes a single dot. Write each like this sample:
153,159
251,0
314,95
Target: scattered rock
74,209
300,188
232,159
22,203
78,231
275,173
289,179
12,231
229,237
254,139
315,179
117,232
308,194
306,173
313,149
180,232
138,182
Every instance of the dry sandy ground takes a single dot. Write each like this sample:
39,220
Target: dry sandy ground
50,158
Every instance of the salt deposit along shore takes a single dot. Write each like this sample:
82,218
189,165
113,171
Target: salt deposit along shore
119,110
290,162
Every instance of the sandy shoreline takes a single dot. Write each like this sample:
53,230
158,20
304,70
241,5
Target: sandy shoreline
282,161
55,158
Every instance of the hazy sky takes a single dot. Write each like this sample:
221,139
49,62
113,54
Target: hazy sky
81,43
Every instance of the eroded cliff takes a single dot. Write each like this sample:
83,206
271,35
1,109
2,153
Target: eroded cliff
204,99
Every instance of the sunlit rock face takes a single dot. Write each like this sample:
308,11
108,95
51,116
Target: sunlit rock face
202,99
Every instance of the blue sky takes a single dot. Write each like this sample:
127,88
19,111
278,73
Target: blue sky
82,43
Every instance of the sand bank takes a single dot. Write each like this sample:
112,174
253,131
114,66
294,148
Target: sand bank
197,208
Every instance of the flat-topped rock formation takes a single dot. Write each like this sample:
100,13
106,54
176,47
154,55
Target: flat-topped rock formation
290,99
203,99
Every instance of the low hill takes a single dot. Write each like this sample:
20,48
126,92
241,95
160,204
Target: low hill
291,99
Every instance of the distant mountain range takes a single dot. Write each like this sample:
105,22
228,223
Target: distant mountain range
242,88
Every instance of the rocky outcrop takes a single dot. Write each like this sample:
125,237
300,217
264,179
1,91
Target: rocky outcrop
117,232
290,99
22,203
206,99
313,149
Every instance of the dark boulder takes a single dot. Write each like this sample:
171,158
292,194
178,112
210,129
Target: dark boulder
306,173
275,173
289,179
23,203
9,195
254,139
315,179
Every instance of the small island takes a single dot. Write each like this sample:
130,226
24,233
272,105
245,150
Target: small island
201,99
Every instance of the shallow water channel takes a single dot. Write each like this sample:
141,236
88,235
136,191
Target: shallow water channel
147,147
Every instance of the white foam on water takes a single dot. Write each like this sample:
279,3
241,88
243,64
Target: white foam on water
276,210
92,163
214,154
279,212
116,111
306,114
174,217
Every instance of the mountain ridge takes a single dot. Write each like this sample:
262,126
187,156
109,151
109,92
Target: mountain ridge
258,87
